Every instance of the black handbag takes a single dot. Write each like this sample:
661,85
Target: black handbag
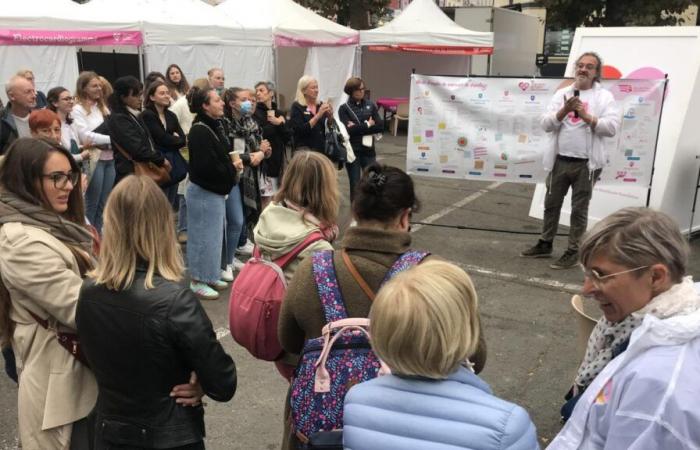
179,166
334,148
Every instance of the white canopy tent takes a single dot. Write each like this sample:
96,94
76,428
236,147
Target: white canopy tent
195,36
423,38
422,27
331,55
55,64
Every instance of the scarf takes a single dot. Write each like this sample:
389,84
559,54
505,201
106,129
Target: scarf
607,337
14,209
247,128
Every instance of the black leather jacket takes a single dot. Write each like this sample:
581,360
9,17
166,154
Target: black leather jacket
140,344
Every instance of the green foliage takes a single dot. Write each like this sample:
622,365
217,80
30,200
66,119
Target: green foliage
358,14
562,14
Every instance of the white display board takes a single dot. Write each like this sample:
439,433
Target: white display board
639,52
490,128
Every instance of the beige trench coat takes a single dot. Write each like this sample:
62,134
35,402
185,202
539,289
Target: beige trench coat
55,390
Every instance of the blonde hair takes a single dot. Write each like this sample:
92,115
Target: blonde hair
80,92
138,228
425,321
302,84
310,182
107,89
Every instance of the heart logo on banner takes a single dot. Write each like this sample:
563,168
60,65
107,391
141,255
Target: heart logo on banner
523,85
117,37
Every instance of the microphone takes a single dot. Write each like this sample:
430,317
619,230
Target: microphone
576,94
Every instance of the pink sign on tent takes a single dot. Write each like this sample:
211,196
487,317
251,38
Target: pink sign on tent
69,37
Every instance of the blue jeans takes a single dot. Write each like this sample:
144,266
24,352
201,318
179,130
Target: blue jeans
182,214
206,213
98,190
355,168
235,223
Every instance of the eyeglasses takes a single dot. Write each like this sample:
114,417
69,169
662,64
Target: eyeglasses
61,179
599,280
586,66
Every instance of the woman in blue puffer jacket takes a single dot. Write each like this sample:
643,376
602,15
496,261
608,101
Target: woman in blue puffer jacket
424,323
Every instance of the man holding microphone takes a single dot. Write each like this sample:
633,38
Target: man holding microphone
578,118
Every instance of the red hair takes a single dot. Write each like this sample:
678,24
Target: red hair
42,118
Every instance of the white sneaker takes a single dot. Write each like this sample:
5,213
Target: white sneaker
227,274
237,265
247,249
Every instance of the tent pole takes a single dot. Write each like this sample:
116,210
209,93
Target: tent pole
141,74
275,62
357,69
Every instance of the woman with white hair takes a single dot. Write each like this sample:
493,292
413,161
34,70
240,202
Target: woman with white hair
425,325
637,387
308,116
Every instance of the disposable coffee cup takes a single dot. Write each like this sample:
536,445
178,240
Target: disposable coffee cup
235,155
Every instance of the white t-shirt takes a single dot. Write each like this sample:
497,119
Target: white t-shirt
22,124
573,132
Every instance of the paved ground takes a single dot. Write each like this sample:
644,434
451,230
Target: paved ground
529,325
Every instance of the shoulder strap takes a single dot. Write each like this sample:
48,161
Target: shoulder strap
310,239
327,286
353,113
122,151
356,275
404,262
208,128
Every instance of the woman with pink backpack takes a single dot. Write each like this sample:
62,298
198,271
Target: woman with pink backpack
383,203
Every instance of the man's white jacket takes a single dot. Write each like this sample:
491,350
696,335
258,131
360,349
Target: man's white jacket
602,106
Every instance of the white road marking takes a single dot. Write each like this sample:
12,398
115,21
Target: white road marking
222,333
445,211
534,281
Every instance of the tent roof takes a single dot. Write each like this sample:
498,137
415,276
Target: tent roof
422,26
54,15
173,22
289,23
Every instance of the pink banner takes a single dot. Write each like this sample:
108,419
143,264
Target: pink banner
289,41
69,37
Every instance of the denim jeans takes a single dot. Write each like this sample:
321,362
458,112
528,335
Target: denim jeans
206,213
355,168
98,190
234,224
182,214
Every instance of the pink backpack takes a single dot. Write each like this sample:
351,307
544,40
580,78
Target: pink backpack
256,299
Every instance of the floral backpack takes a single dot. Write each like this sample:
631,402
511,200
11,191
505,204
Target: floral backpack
341,358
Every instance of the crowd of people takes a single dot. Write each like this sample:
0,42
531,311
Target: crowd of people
100,190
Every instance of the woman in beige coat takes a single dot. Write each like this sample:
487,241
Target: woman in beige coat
45,248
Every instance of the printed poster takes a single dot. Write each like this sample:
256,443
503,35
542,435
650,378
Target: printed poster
489,128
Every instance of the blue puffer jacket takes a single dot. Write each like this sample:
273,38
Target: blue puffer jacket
396,413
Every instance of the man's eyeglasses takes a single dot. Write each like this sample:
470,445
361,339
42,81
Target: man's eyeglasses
599,280
61,179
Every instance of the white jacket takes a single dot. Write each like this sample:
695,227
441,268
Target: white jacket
647,398
602,106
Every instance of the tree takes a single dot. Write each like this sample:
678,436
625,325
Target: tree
358,14
563,14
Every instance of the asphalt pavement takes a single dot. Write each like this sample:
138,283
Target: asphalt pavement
529,324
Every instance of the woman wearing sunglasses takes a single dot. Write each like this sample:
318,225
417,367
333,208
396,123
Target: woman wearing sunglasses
45,250
637,385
